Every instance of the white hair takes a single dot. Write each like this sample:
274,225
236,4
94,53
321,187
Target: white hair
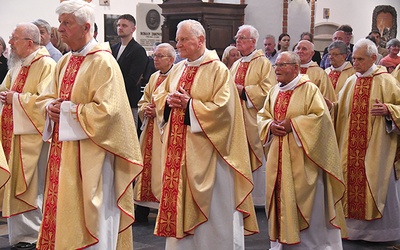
253,31
170,50
370,46
83,12
195,27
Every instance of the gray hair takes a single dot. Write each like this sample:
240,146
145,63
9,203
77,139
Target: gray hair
170,50
293,57
30,31
338,45
42,24
370,46
393,42
253,31
269,36
83,12
195,27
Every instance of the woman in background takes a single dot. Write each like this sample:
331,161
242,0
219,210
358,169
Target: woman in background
231,54
283,42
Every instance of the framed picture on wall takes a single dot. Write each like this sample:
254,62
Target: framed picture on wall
110,28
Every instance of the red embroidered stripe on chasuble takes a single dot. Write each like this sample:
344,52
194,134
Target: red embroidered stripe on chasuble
280,109
303,71
241,73
167,217
7,122
48,231
146,193
357,148
334,76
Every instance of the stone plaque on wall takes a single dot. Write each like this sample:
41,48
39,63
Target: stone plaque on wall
148,27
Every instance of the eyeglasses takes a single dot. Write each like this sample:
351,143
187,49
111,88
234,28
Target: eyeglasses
241,38
13,38
282,65
334,54
158,56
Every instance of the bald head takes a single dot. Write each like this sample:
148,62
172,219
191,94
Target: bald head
339,35
305,50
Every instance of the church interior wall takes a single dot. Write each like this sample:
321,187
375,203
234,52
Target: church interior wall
265,15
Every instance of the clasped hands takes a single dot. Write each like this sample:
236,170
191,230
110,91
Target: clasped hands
53,110
6,96
281,128
178,99
150,111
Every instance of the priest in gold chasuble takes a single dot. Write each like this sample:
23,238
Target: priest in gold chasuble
22,123
367,128
340,69
304,180
253,76
147,191
305,50
396,73
94,155
206,198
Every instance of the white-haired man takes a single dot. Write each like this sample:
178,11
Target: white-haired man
254,77
31,72
367,129
205,201
304,181
94,155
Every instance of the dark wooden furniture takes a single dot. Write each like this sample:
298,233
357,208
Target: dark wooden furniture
220,21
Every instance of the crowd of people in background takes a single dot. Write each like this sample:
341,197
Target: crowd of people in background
86,151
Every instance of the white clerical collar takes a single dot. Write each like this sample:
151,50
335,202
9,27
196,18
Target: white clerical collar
368,72
306,65
249,57
291,85
198,61
85,49
27,60
340,69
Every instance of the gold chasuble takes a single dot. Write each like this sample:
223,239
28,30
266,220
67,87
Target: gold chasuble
294,163
321,79
396,73
256,75
190,159
73,194
23,150
367,150
338,78
148,185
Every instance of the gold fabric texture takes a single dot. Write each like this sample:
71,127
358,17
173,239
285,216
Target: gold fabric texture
311,121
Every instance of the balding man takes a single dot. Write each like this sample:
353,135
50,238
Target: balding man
206,198
304,181
339,35
340,69
31,72
367,129
254,77
305,50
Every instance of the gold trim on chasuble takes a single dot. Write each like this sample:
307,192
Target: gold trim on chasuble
334,76
280,109
7,121
48,228
357,148
167,217
146,193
